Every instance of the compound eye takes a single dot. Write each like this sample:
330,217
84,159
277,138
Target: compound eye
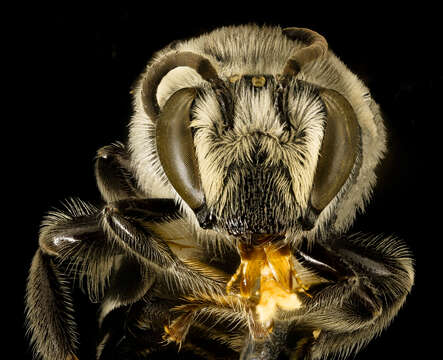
339,149
175,147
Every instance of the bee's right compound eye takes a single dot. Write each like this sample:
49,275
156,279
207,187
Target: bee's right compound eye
174,141
175,148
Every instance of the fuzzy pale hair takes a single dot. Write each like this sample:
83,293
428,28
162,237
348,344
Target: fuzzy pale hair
252,49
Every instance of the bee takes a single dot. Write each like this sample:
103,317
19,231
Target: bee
224,227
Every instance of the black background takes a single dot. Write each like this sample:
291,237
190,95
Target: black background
70,97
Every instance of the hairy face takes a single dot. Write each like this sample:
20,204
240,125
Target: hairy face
277,151
258,166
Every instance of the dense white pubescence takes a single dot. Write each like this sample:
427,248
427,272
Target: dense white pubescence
246,50
258,130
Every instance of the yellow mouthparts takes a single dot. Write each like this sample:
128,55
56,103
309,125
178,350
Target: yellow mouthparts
267,278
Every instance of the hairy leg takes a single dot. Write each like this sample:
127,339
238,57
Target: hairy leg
82,246
352,310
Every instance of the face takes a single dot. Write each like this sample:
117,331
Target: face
251,154
259,168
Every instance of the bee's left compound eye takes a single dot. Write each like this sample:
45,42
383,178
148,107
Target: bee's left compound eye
339,149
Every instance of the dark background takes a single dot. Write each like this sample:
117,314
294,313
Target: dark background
74,69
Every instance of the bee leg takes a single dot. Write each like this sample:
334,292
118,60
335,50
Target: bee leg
205,306
75,250
135,331
355,308
122,337
132,225
113,174
82,243
126,207
122,223
234,279
112,333
342,280
129,282
124,202
71,245
177,329
49,308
